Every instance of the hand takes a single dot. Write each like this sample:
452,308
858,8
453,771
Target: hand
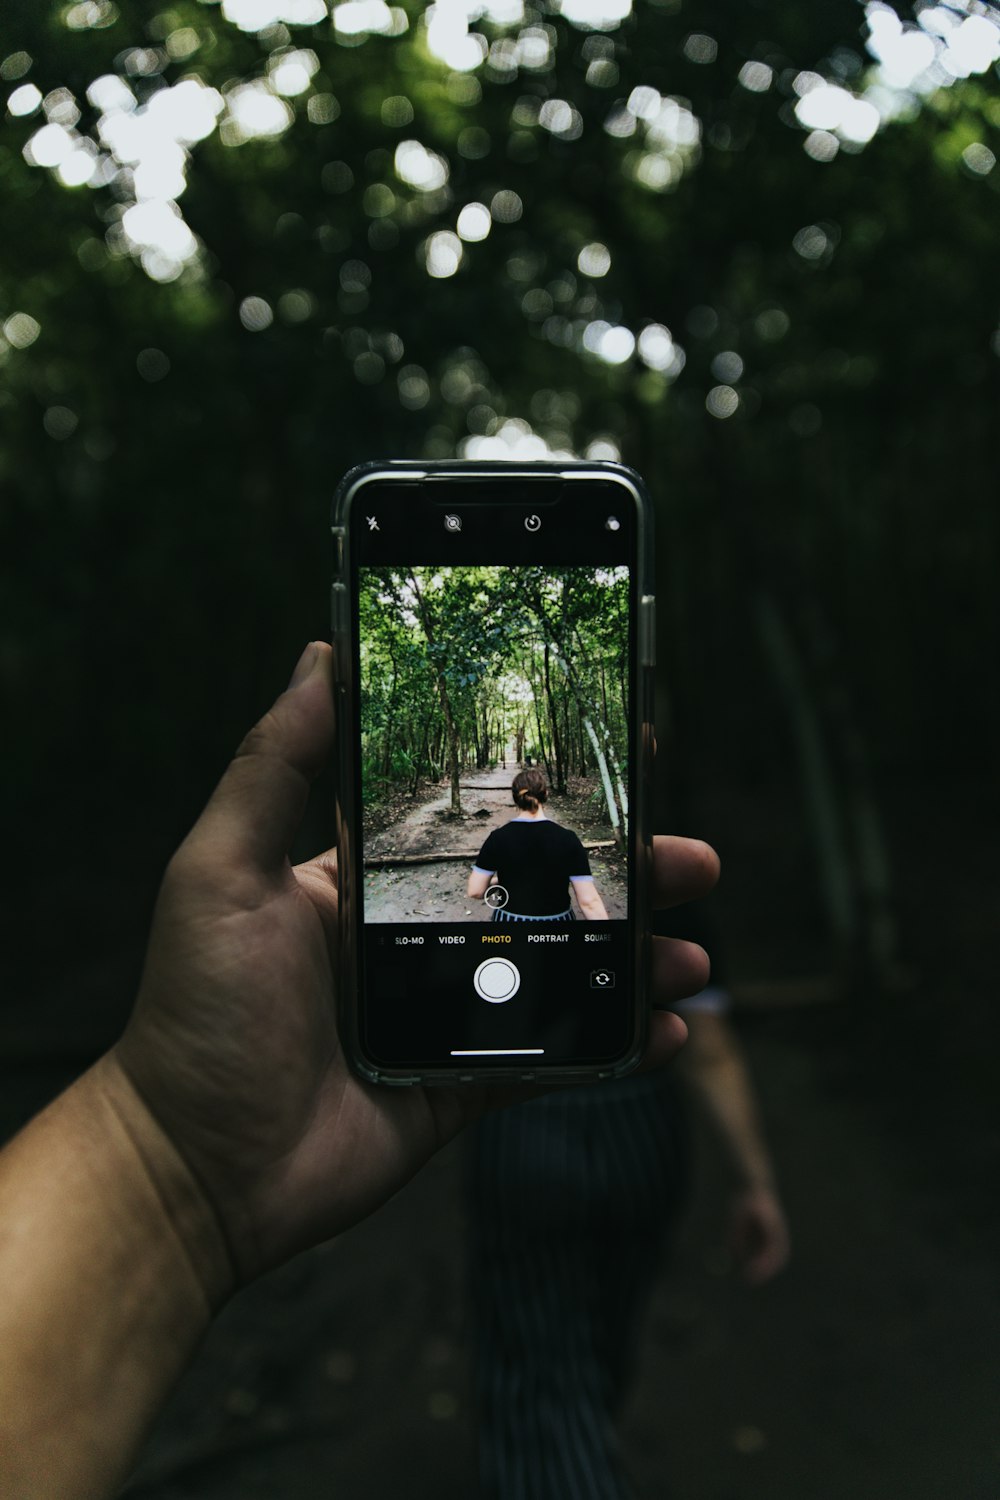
232,1049
758,1234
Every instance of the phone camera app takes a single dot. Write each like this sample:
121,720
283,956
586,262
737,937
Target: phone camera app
494,749
453,523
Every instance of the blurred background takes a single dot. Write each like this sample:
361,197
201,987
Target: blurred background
752,251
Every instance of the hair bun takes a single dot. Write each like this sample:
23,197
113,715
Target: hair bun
529,789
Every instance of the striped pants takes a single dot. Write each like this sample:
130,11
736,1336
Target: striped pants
503,915
572,1198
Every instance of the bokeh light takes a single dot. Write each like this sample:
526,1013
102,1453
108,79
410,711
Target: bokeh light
291,73
756,77
153,365
21,330
727,367
257,15
443,254
979,158
700,48
599,15
421,168
49,147
514,439
506,207
474,222
60,422
25,100
812,242
722,402
658,350
594,260
256,314
15,66
414,387
254,112
91,15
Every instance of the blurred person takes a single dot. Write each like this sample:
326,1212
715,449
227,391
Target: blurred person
224,1132
574,1198
537,861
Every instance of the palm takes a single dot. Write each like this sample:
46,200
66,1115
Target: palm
289,1145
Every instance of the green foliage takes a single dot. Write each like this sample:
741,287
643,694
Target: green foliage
168,447
514,661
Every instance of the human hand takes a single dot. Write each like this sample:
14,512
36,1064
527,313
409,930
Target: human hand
232,1049
758,1234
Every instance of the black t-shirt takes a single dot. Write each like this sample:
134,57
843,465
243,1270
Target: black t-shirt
535,861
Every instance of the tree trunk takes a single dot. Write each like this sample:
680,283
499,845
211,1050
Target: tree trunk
387,754
451,732
603,747
557,752
602,766
542,751
421,754
817,778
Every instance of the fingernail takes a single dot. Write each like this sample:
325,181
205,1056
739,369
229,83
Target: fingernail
304,665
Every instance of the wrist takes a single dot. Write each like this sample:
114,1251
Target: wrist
111,1267
167,1196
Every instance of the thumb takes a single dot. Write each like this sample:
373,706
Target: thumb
254,812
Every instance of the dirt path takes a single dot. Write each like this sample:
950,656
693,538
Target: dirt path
436,892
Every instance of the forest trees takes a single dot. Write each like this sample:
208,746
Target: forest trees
468,668
621,236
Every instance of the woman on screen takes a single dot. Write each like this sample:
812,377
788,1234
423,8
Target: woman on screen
536,861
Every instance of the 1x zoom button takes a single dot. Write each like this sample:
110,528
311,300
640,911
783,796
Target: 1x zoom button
496,980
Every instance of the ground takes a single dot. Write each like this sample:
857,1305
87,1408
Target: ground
425,824
866,1372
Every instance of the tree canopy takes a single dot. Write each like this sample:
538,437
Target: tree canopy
750,249
474,666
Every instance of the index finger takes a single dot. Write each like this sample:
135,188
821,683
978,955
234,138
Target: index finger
683,870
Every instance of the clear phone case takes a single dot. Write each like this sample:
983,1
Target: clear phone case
347,813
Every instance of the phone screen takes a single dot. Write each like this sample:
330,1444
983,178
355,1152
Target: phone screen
494,639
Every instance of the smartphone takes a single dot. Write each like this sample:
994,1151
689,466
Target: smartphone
493,631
